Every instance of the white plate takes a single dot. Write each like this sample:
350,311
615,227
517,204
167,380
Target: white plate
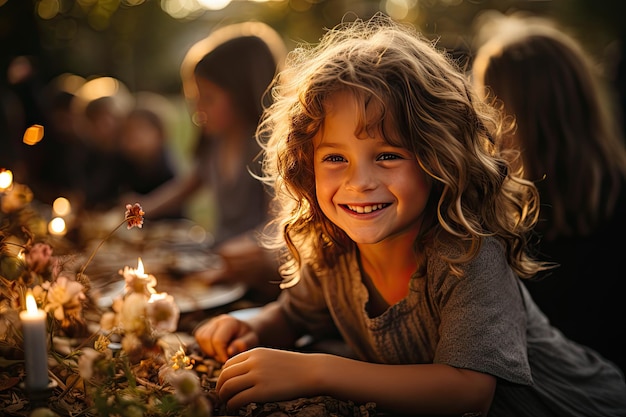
245,313
189,296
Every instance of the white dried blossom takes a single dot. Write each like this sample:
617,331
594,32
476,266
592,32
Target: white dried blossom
186,385
133,313
163,312
86,362
108,321
131,344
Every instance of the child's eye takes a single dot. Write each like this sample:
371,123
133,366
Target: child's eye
333,158
389,157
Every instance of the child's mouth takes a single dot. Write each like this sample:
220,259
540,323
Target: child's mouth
367,208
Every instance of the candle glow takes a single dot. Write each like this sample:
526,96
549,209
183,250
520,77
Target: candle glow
57,226
137,280
6,179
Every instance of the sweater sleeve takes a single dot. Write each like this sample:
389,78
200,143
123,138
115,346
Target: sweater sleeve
482,317
305,306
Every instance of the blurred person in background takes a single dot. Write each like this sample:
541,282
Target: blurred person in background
570,144
100,107
226,77
103,168
146,160
65,152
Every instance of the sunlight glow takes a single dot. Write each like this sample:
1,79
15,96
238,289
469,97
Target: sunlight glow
214,4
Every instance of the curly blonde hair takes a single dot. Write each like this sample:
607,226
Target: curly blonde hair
416,98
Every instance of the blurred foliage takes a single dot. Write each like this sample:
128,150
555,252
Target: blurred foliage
139,43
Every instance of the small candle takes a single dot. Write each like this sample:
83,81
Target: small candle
35,345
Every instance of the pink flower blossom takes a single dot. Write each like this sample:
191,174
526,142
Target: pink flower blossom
134,216
38,257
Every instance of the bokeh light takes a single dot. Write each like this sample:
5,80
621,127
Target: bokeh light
57,226
6,179
33,135
61,206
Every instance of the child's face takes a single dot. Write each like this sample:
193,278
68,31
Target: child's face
216,106
371,190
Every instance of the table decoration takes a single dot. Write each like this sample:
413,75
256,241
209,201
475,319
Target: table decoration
123,361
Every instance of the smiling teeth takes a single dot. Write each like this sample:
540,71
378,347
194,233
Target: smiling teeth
366,209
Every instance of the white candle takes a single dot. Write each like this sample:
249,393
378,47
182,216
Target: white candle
35,345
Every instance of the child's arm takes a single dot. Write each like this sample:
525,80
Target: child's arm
265,375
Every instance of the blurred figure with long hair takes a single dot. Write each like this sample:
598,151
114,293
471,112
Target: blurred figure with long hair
226,78
569,141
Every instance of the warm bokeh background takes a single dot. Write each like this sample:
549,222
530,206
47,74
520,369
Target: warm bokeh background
143,42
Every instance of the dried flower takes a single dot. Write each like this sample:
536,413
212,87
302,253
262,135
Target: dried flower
86,362
133,314
186,385
108,321
163,312
134,216
65,298
16,198
102,343
38,257
180,360
132,346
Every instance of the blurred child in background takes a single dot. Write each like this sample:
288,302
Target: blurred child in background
226,78
145,156
569,143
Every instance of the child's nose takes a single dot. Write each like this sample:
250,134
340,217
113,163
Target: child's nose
361,177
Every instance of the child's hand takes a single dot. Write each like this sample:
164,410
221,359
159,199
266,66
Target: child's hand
266,375
225,336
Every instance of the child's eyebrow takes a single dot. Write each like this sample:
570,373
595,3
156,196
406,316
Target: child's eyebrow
326,144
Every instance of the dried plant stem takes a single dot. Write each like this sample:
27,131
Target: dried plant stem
93,253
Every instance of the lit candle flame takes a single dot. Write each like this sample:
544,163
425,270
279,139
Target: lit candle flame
139,269
31,304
